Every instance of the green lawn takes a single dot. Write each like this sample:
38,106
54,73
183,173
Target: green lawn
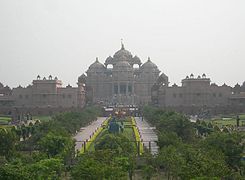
226,122
42,118
129,133
242,116
4,120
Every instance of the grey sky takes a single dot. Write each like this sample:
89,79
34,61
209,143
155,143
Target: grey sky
62,37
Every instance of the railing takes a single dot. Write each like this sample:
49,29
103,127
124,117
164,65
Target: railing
139,144
86,144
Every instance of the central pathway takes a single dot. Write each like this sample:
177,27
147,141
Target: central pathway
148,135
85,132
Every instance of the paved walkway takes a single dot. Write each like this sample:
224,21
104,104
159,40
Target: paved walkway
85,132
147,135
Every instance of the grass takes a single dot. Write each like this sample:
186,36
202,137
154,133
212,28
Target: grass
242,116
42,118
6,126
4,120
128,133
227,121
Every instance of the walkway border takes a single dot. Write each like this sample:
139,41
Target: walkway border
137,137
88,142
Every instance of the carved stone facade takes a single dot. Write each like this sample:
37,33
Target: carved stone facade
46,93
198,92
122,83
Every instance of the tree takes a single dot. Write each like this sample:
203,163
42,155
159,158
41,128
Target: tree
208,163
102,164
7,142
116,142
172,122
14,172
230,144
53,144
171,161
148,171
168,138
46,169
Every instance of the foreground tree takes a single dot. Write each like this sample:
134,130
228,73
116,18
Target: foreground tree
46,169
102,164
7,142
230,144
54,145
117,143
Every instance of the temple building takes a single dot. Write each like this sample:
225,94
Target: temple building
121,80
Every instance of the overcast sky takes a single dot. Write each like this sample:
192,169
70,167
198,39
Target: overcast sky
63,37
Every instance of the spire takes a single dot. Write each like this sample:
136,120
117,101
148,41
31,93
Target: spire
122,45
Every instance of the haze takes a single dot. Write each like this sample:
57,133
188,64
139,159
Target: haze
63,38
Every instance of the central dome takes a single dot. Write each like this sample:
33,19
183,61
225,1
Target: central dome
122,52
122,66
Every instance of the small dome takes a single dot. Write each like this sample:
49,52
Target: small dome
96,66
109,59
82,78
137,60
149,66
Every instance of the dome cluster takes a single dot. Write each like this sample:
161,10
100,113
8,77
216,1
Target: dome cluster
123,60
